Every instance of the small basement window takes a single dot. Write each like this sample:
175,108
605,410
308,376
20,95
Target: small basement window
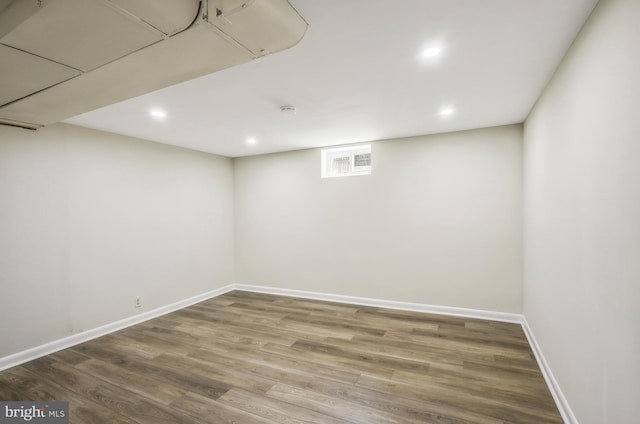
346,161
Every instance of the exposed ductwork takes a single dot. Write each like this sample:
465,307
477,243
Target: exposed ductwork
61,58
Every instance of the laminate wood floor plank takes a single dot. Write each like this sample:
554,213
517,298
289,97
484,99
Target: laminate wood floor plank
216,412
456,401
402,351
446,350
484,340
9,393
277,332
114,403
129,346
276,410
329,360
81,409
261,363
142,384
234,377
253,358
332,406
281,310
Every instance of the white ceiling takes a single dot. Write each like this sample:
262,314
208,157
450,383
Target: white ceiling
358,75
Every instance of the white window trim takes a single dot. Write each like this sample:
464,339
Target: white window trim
352,151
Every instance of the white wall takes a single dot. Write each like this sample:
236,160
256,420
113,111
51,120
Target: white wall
89,220
438,222
582,218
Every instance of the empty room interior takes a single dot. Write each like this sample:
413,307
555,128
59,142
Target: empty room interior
356,211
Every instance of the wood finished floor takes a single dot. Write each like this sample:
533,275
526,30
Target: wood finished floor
254,358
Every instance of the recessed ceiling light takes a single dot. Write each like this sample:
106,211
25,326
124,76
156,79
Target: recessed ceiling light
431,52
251,140
157,114
447,111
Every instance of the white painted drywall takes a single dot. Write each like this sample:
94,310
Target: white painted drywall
582,218
90,220
438,222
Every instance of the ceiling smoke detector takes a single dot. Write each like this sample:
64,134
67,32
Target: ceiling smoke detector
288,110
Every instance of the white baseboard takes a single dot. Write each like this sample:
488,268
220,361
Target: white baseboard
391,304
52,347
561,401
56,345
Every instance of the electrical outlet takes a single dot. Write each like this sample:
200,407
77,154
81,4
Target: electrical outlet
137,303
